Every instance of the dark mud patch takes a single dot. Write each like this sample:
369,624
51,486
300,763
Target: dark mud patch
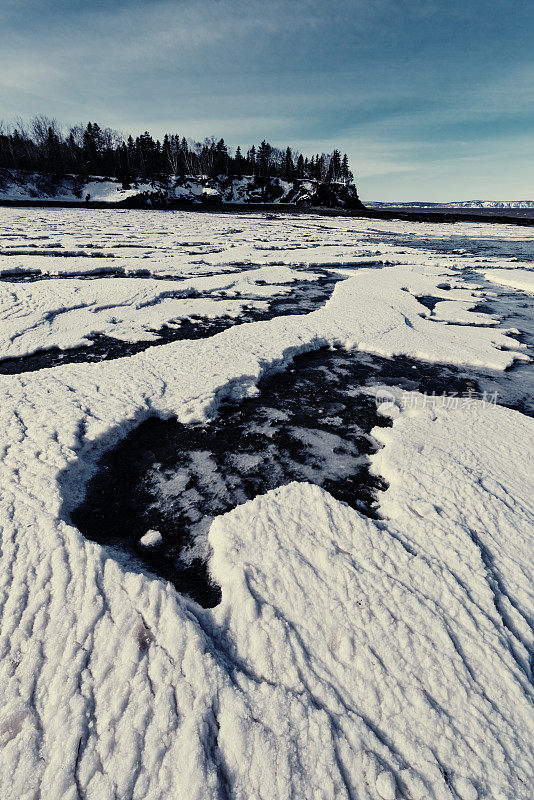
305,296
310,423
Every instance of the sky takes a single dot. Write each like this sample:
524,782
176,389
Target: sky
431,100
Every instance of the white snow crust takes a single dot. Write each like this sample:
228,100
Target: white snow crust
521,279
60,313
187,244
418,626
349,658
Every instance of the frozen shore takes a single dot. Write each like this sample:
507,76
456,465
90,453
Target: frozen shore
350,656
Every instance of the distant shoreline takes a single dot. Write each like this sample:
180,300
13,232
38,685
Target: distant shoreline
520,216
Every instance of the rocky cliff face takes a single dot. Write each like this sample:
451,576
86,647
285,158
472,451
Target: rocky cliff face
18,186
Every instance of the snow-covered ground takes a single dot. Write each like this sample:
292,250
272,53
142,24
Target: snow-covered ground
16,186
350,656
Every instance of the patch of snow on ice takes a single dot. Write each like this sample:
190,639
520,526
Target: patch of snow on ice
521,279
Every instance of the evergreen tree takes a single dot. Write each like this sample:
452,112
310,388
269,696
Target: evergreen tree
251,158
123,166
239,162
330,171
334,167
288,168
264,159
89,149
220,159
52,152
346,174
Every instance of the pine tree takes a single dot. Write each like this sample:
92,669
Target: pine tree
301,166
123,166
239,162
288,168
220,159
335,166
346,174
251,157
52,153
89,149
330,171
72,152
168,158
264,159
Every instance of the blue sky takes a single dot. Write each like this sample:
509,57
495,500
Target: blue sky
431,100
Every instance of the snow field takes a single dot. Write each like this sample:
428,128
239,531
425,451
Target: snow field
348,658
66,241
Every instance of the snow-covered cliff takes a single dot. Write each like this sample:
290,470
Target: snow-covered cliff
17,186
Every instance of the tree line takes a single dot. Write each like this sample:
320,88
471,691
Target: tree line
42,146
